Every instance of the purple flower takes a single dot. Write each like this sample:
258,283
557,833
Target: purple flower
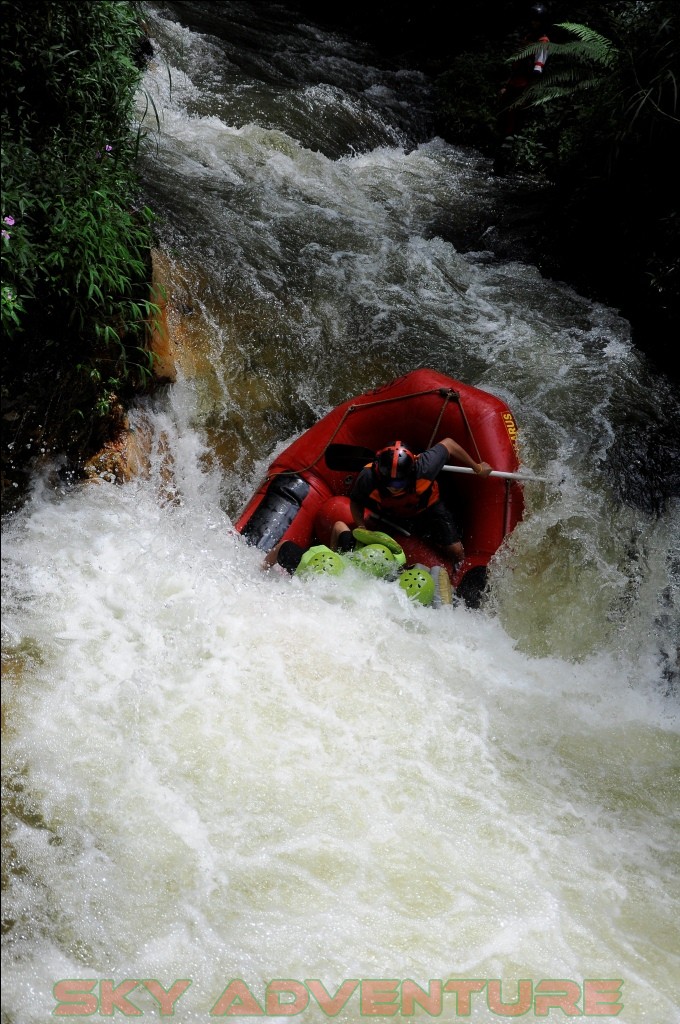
6,234
8,220
109,149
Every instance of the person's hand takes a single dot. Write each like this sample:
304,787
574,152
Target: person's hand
483,469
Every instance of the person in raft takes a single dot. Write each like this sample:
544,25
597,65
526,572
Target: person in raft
403,487
372,551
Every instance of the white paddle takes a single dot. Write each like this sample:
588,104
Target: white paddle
494,472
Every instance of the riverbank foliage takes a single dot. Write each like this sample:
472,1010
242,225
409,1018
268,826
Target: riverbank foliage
76,239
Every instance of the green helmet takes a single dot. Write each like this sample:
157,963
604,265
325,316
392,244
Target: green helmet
364,537
376,559
321,559
418,584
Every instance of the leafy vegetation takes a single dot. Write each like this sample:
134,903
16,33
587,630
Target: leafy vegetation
75,237
580,64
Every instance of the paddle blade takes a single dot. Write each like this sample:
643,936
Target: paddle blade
348,457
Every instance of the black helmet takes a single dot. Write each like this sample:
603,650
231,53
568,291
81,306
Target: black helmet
538,11
395,465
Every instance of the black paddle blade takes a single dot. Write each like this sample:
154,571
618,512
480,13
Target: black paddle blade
348,457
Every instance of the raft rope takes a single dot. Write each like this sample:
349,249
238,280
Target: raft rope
451,395
466,421
448,395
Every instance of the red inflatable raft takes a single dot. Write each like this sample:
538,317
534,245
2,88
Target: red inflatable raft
307,486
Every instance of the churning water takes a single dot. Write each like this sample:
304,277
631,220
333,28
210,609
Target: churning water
212,773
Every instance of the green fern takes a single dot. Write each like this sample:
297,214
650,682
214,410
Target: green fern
575,66
588,61
589,47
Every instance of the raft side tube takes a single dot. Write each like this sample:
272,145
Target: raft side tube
285,510
278,508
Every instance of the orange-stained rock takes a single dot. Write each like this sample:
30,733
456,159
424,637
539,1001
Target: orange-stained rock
124,456
128,452
160,340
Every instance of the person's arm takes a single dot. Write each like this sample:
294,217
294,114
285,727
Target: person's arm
358,514
455,451
270,558
361,488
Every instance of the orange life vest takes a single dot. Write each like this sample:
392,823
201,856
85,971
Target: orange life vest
407,503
